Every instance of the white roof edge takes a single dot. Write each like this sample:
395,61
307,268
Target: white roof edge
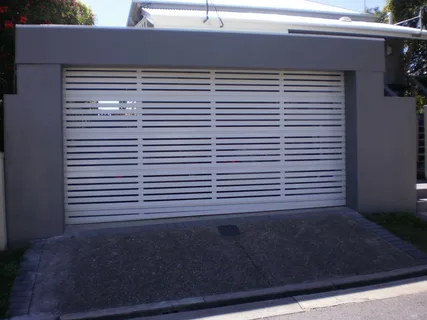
304,5
309,8
132,11
190,19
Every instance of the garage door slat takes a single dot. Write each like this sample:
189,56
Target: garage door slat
145,143
274,192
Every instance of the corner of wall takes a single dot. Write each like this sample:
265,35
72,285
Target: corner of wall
351,140
33,155
386,148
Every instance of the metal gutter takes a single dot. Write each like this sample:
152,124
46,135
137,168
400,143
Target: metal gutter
189,5
255,22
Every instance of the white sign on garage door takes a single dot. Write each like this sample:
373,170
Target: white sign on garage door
144,143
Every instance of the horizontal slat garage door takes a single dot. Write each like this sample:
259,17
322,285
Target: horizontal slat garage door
145,143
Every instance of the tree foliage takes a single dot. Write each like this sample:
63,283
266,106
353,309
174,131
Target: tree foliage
407,13
13,12
381,16
415,50
404,9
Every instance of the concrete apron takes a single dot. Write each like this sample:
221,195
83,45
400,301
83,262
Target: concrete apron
369,251
308,295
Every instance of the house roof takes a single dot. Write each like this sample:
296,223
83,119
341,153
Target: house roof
302,8
275,23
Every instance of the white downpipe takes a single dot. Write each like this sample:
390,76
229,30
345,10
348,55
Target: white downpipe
3,234
390,18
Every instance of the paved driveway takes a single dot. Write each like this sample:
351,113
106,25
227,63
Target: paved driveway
165,262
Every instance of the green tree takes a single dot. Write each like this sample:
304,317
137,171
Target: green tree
13,12
381,16
415,50
406,13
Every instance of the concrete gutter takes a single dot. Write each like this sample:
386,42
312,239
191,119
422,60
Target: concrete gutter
3,234
221,300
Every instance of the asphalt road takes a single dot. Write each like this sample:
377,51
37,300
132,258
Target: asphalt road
403,307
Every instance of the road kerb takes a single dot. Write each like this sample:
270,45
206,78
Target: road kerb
222,300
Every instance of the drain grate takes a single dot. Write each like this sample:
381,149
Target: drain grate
230,230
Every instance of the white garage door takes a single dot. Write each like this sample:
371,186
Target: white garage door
143,143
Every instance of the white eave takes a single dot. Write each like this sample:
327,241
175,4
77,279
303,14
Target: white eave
249,5
283,7
274,23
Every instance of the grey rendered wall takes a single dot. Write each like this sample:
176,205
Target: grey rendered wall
34,179
381,142
400,157
33,157
172,48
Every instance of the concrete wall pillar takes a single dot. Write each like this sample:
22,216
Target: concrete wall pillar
381,147
34,154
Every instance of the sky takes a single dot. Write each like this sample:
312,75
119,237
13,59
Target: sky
115,12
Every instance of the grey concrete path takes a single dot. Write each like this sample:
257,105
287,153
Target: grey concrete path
412,307
404,299
175,261
396,300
